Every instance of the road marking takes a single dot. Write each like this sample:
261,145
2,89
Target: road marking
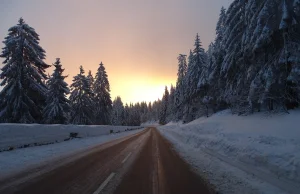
126,158
104,183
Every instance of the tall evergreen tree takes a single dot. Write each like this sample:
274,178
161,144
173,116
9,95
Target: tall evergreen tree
164,107
195,68
91,82
24,93
117,116
81,102
180,86
57,105
90,78
171,110
216,54
126,115
103,103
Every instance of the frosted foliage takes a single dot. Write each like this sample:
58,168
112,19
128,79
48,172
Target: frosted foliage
117,112
23,76
252,65
57,104
197,64
103,103
180,83
81,103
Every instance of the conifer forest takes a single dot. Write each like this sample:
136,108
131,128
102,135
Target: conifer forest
252,65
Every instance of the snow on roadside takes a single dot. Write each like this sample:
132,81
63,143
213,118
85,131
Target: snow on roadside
15,135
260,152
21,159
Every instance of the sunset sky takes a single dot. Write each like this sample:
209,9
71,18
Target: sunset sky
138,41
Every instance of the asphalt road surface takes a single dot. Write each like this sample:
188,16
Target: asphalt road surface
144,163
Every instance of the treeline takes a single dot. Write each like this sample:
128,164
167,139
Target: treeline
253,64
30,96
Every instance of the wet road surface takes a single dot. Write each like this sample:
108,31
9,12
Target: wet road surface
144,163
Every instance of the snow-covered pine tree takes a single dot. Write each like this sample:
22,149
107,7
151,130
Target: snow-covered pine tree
149,112
24,93
156,108
117,115
171,111
216,53
276,51
90,78
290,25
186,78
144,112
164,108
195,69
126,115
137,114
81,103
57,105
180,86
103,103
133,115
91,81
232,64
220,30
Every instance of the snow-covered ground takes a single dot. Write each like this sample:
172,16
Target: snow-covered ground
20,159
15,135
259,153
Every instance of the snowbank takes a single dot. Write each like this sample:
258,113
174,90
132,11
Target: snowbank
16,135
264,145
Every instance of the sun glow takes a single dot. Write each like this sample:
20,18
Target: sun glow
140,89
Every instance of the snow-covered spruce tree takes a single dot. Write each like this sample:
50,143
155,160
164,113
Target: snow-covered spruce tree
91,82
171,111
81,103
180,86
154,110
126,115
216,53
290,57
164,107
133,115
117,115
90,79
144,112
209,91
196,69
57,105
103,103
24,93
233,64
273,74
149,112
137,114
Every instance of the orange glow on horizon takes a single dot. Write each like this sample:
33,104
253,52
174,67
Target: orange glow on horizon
140,89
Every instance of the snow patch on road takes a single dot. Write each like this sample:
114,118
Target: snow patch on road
260,152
